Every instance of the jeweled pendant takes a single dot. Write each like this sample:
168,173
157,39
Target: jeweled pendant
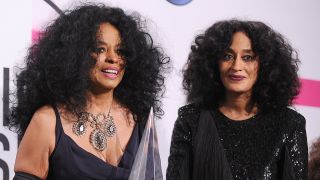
79,128
98,140
110,127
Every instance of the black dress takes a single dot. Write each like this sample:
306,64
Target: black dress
69,161
266,146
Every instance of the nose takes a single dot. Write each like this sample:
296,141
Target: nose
237,64
113,57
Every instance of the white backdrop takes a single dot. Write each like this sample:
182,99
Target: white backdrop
174,27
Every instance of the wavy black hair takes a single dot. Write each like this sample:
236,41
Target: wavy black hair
277,83
58,64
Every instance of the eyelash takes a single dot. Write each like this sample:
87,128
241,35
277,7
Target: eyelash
100,50
244,58
248,58
227,57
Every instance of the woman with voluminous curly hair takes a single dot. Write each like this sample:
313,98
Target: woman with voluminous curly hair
84,96
240,79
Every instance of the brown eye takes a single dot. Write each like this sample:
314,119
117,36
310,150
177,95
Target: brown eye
227,57
100,50
248,58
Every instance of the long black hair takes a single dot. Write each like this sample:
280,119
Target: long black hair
57,66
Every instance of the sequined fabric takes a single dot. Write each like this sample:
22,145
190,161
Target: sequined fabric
256,148
180,160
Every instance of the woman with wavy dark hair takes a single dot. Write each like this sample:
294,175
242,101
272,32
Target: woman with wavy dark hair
84,95
314,161
240,79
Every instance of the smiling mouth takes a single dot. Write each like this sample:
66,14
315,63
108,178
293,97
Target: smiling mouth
110,73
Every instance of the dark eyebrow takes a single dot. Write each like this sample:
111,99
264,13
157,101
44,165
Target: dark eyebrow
229,50
248,50
99,42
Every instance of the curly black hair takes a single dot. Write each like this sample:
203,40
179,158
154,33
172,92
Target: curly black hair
57,66
277,83
314,161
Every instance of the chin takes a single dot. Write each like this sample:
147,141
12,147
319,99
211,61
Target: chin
110,86
237,90
101,88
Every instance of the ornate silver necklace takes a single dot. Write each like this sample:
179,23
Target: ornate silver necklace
102,124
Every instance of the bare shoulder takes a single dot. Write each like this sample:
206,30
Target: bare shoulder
45,115
43,121
42,124
37,143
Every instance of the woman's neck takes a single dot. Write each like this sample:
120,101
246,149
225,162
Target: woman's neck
238,106
101,102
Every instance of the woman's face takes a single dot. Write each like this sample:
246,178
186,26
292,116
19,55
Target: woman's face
239,66
109,69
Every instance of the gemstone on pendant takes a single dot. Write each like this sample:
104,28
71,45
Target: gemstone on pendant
98,140
79,128
110,128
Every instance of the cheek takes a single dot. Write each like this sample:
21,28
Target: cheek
254,71
100,57
223,68
92,74
94,70
256,68
122,74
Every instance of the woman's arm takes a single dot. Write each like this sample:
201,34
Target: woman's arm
37,144
298,149
180,159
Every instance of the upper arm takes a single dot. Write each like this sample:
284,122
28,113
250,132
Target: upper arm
37,144
298,149
180,149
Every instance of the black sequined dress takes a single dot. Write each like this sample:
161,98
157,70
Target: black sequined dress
265,147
